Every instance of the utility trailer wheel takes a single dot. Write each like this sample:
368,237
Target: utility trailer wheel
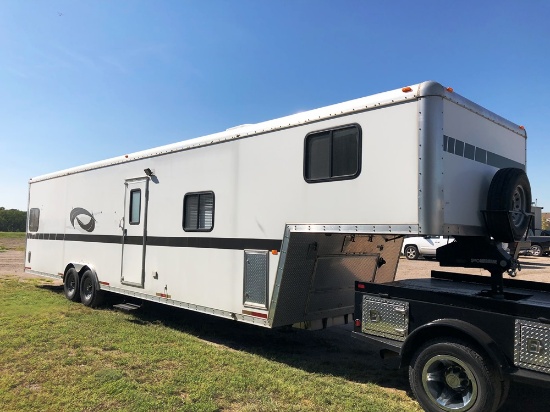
536,250
90,295
451,376
71,285
510,190
411,252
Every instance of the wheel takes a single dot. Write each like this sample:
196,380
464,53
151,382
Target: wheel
450,375
71,285
90,295
411,252
509,191
536,250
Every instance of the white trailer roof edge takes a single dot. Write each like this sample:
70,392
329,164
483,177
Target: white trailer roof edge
376,101
431,88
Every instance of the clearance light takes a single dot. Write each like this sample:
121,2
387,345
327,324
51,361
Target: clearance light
357,323
522,127
274,252
450,89
360,286
406,89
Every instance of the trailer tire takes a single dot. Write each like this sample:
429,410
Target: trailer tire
451,375
90,294
71,285
510,190
411,252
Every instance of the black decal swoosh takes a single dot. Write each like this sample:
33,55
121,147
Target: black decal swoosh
88,227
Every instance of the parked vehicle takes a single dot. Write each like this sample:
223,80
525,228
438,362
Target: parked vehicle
540,244
297,221
425,246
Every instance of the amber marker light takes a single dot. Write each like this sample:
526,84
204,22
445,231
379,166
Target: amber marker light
406,89
274,252
450,89
522,127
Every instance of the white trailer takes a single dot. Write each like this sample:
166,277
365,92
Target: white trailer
273,223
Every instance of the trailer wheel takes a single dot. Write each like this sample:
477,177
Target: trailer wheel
510,190
411,252
71,285
450,375
90,295
536,250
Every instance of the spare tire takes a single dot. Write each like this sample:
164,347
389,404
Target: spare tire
509,191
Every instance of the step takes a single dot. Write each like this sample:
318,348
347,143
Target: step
126,307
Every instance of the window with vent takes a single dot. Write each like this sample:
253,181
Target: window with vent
333,154
198,212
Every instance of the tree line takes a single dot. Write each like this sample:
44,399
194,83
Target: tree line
12,220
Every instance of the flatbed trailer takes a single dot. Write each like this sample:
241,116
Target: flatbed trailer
459,341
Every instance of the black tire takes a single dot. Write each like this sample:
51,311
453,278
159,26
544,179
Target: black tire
536,250
71,285
450,375
510,190
90,295
411,252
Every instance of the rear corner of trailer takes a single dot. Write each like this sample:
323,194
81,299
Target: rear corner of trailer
43,250
476,143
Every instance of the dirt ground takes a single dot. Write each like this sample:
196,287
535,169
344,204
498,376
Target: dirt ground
533,268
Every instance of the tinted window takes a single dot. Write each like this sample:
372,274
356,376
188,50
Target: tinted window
333,154
198,212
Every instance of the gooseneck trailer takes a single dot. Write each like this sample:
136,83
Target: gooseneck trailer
300,221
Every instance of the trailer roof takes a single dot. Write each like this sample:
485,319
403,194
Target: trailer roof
412,92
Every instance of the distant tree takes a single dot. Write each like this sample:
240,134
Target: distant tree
12,220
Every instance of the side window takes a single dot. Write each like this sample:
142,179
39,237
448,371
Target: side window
198,212
135,206
34,220
333,154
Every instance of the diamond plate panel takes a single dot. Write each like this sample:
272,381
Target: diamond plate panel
385,317
532,345
256,272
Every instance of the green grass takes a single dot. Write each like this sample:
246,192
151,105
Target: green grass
12,235
12,241
56,355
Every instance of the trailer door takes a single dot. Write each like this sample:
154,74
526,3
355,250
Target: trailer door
134,231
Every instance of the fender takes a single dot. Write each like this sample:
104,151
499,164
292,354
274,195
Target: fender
81,268
456,328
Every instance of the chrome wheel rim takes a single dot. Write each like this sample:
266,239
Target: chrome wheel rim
536,250
71,285
449,383
410,252
88,288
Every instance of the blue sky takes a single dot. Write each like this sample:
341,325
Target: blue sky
82,81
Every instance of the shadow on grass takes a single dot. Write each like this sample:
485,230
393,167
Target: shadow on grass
332,351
